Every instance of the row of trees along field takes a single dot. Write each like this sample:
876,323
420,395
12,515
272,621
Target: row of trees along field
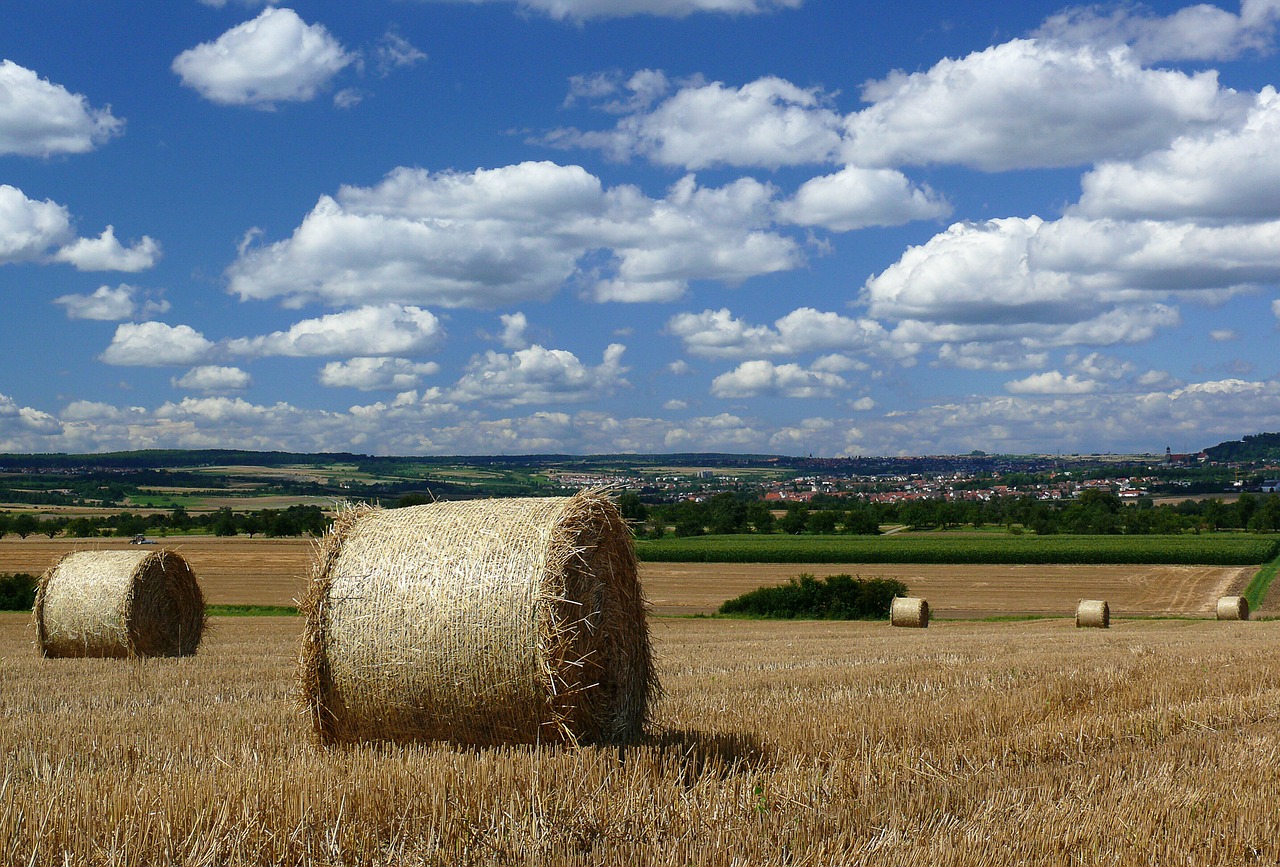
1093,512
293,521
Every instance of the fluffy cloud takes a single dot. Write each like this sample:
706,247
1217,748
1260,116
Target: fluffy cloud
34,231
1032,104
111,305
390,329
276,57
1200,32
998,355
768,122
212,377
581,10
1071,280
1051,382
761,377
541,376
155,344
514,326
105,253
717,334
855,198
1226,174
376,374
513,234
29,228
38,118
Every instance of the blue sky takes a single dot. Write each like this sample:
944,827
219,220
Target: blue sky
589,226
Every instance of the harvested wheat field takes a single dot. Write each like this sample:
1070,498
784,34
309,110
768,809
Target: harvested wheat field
1154,742
241,571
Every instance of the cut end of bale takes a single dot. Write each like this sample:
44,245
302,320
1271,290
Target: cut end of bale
909,611
1093,613
479,622
1233,608
119,604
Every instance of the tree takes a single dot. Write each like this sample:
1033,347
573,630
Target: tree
795,520
760,517
632,510
823,521
25,524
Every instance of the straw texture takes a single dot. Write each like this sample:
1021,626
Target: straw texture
909,611
119,604
480,622
1093,613
1233,608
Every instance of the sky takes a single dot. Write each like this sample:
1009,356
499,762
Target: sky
792,227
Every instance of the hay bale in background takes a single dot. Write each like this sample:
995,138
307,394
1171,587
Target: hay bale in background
118,604
1233,608
481,622
909,611
1093,613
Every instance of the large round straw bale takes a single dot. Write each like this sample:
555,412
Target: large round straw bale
1233,608
480,622
909,611
1093,613
119,603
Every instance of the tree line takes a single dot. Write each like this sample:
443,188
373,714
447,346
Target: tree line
1093,512
292,521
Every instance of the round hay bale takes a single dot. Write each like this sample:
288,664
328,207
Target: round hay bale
909,611
1093,613
119,604
479,622
1233,608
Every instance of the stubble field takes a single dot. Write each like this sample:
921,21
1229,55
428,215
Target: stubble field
970,743
241,571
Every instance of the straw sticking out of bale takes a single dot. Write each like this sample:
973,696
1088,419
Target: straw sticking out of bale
909,611
119,604
481,622
1093,613
1233,608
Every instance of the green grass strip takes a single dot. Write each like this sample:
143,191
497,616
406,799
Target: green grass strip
251,610
1256,592
1208,549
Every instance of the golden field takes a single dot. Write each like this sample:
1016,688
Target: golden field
237,570
1154,742
792,743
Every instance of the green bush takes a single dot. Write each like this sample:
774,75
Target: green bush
837,597
17,592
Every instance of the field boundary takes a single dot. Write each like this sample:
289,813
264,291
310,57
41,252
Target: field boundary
1188,550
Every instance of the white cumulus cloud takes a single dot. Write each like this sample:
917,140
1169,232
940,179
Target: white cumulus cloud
1032,104
1199,32
1051,382
582,10
213,377
376,374
111,305
155,344
389,329
719,334
761,377
540,376
105,253
513,234
855,198
38,118
276,57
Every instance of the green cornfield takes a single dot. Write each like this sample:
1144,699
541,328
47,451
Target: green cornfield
1225,549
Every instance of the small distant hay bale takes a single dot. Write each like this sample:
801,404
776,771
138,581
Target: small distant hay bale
119,604
909,611
1093,613
479,622
1233,608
